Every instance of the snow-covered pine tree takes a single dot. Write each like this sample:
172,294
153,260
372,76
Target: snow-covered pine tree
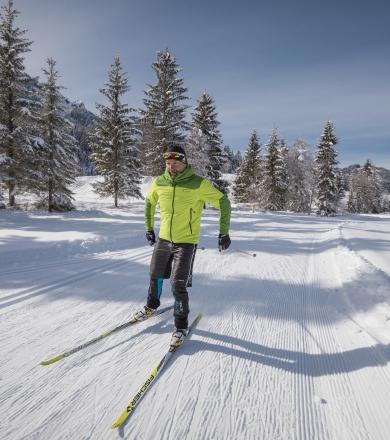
2,204
375,199
351,203
301,178
282,173
237,161
206,119
115,155
229,159
339,186
365,190
274,184
246,185
325,162
197,151
17,148
58,164
163,120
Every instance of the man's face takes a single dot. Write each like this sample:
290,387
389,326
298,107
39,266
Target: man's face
175,166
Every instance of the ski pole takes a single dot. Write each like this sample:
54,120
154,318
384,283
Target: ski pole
236,250
244,252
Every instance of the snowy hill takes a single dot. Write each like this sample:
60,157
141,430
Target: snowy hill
293,344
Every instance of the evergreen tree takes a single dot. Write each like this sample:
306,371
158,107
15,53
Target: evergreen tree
301,178
365,193
385,203
325,161
2,204
58,163
163,120
351,203
274,183
115,155
247,182
282,173
197,151
237,161
229,160
205,118
339,186
17,148
375,193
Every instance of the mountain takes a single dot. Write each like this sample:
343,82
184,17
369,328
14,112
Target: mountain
83,122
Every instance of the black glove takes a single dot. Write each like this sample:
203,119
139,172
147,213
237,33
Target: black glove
223,242
151,237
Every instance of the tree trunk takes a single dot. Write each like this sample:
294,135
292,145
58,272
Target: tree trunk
116,194
11,172
50,196
11,195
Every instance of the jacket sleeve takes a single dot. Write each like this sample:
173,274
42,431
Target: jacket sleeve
151,201
214,197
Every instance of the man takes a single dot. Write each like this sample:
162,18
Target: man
181,195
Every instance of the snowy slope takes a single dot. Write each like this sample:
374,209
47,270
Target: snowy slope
294,343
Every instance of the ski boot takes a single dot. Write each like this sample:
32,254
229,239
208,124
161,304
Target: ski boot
145,313
178,336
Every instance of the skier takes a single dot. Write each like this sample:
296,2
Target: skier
181,195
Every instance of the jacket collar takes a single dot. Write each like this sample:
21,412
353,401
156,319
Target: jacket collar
188,172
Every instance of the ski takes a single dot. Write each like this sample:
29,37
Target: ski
144,388
99,338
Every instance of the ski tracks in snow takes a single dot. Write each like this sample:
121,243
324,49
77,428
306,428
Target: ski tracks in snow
340,401
287,348
57,286
280,363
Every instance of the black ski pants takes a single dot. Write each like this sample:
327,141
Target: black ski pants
174,261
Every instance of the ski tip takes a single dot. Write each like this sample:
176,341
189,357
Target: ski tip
119,422
52,360
199,317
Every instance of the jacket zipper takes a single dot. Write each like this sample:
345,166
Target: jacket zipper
191,220
173,207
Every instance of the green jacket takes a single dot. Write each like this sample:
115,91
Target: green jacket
181,202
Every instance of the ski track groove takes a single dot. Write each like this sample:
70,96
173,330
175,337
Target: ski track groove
338,381
321,322
361,398
313,304
267,337
178,397
296,340
69,261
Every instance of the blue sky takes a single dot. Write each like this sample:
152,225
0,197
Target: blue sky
282,63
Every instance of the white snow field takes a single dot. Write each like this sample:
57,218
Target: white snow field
293,344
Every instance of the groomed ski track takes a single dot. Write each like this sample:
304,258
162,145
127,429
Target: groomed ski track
293,343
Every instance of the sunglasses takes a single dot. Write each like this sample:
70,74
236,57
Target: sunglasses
174,155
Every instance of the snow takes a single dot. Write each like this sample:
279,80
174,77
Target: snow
293,344
3,158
